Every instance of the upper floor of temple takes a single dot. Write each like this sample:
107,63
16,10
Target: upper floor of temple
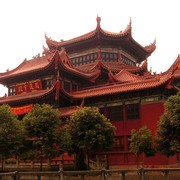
104,45
98,63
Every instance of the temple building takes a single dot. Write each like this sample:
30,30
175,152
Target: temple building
103,69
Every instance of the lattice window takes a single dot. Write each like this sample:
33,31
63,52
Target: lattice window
109,56
47,83
12,91
67,86
115,113
118,143
132,111
74,87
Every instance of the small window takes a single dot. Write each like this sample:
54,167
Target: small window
12,91
102,110
115,56
74,87
73,61
107,56
111,56
103,55
47,84
95,56
115,113
132,111
118,143
67,86
92,57
77,61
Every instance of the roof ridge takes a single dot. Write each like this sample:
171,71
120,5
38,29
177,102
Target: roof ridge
125,84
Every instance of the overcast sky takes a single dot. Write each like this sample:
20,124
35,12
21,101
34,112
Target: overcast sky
24,22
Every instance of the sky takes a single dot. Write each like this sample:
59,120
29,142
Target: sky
24,23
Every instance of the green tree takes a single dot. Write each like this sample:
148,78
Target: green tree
87,131
141,141
41,126
65,140
10,131
168,133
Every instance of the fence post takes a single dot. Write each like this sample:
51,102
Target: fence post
16,175
103,176
39,177
61,172
82,176
142,173
123,175
166,174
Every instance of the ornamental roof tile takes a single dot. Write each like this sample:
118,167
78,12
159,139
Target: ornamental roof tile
86,36
65,63
68,111
125,76
40,63
27,96
100,33
29,66
121,88
151,47
175,68
176,74
115,67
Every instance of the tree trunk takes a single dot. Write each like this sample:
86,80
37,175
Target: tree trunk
17,162
62,162
80,161
2,164
32,163
49,162
137,161
41,160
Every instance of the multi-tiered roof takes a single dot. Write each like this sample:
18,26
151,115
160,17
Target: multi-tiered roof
102,37
96,79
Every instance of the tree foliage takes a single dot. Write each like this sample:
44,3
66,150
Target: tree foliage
41,125
10,133
88,131
141,141
168,132
65,140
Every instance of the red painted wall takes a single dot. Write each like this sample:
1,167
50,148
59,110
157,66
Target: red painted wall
173,160
150,114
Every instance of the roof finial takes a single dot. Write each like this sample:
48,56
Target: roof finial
45,35
98,19
130,21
